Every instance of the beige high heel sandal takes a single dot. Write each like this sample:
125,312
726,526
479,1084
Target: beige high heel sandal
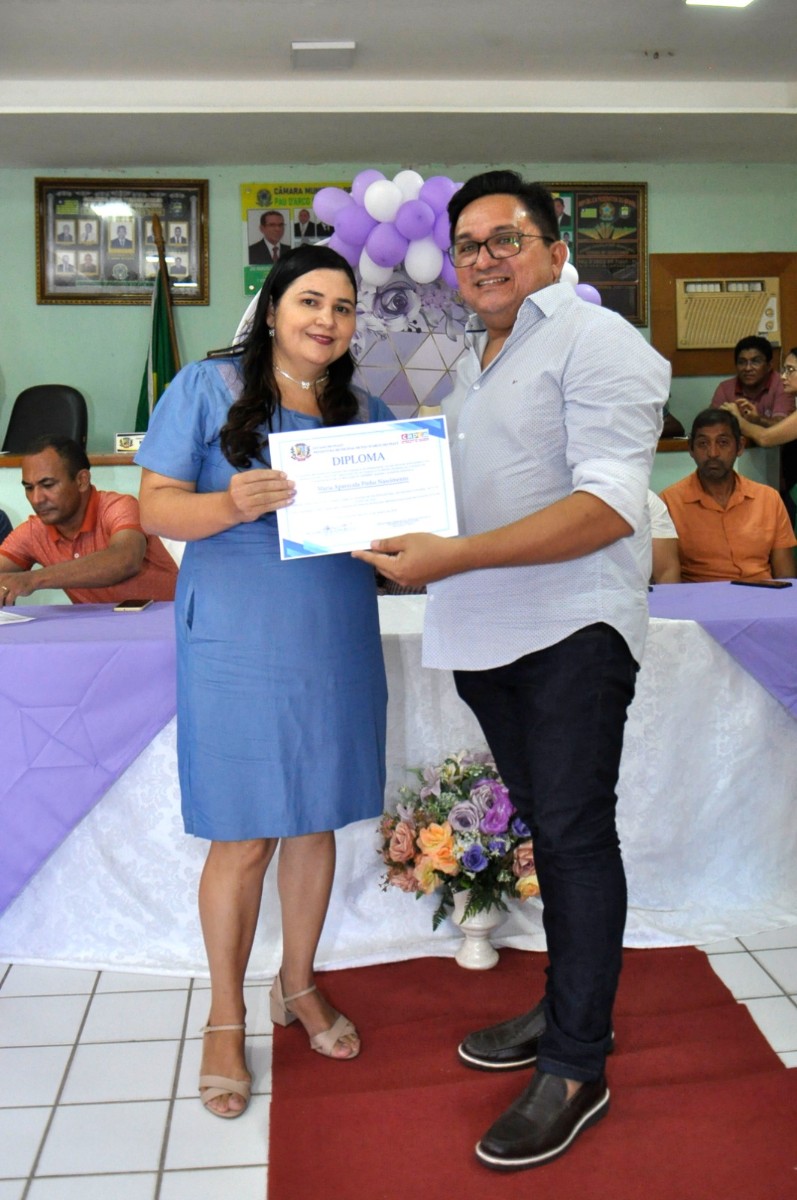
213,1086
324,1042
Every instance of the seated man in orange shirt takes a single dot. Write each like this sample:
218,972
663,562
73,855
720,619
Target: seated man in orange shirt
729,527
89,543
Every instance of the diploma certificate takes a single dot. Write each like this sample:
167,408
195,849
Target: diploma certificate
355,483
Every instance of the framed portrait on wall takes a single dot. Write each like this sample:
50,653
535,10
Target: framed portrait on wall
605,228
95,242
276,217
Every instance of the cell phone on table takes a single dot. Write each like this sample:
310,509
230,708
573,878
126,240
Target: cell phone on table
132,605
766,583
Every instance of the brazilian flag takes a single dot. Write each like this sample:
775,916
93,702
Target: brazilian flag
162,365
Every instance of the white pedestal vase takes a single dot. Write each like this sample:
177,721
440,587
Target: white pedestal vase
476,952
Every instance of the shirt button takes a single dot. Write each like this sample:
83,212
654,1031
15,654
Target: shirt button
76,556
461,436
476,387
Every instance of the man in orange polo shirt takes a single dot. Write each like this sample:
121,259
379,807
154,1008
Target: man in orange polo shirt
729,527
89,543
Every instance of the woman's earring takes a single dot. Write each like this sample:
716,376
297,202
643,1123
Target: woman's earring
270,332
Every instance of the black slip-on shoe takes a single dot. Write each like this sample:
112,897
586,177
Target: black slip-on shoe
542,1123
507,1046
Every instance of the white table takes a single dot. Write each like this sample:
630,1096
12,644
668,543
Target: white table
707,791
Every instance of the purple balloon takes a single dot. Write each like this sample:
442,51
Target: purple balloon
414,220
354,224
350,253
385,245
437,191
587,292
363,181
448,274
442,231
328,202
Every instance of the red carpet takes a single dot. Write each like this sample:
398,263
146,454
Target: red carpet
701,1109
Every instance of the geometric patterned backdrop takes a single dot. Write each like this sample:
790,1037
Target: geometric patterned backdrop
409,337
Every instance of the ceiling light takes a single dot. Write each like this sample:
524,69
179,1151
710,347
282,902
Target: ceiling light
323,56
720,3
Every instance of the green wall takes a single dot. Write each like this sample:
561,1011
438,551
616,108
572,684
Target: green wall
101,348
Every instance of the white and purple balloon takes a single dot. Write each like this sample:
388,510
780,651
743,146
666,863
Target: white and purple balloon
383,222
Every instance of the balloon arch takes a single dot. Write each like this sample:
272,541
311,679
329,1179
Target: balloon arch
410,318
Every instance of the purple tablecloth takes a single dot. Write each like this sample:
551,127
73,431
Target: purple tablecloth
757,626
82,691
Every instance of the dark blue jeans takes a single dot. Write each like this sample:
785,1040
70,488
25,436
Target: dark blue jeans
554,722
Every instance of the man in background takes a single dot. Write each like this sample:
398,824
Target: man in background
729,527
756,387
89,543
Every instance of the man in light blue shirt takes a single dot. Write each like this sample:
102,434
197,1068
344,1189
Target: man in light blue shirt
540,608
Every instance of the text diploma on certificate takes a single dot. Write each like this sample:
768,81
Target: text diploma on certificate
355,483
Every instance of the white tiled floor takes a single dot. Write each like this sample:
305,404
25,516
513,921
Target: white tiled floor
99,1097
99,1077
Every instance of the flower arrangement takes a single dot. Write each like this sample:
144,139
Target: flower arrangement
459,831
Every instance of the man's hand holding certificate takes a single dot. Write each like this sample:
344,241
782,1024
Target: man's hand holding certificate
356,483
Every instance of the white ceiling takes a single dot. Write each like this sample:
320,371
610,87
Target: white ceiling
111,84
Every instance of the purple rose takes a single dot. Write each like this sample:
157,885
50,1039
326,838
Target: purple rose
465,816
500,811
481,795
520,828
474,858
498,845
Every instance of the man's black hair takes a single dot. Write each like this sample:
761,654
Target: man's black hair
536,199
715,416
70,453
753,343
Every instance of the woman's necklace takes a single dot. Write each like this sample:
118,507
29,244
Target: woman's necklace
304,384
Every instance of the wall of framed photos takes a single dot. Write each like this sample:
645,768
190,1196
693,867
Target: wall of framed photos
96,240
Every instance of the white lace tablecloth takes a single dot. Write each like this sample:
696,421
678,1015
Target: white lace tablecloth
707,820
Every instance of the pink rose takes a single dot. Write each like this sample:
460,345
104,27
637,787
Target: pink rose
402,843
523,860
404,880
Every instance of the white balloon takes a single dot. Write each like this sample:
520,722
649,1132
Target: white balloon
382,200
371,273
409,184
423,261
569,274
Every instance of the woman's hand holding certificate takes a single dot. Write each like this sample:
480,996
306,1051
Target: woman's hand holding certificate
253,493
